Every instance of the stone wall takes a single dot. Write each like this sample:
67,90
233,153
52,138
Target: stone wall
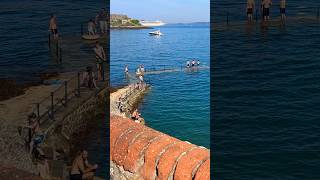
13,151
139,152
76,120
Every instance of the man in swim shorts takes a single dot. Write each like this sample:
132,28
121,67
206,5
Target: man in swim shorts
250,8
283,9
188,64
81,169
53,26
100,58
266,4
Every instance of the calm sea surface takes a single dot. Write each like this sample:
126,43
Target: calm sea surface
178,103
266,96
24,49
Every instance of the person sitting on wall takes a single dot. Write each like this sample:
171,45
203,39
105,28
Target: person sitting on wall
88,78
135,115
81,169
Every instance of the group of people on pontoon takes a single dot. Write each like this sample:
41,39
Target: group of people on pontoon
139,72
101,20
193,63
265,9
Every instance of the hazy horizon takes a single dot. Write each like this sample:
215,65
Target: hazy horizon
168,11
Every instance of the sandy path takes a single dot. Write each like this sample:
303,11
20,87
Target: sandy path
15,111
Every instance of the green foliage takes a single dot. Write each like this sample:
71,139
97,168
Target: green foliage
135,21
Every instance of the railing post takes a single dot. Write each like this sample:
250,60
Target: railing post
78,89
66,92
52,106
49,41
256,15
318,13
60,50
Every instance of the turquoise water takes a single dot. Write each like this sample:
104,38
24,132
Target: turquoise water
178,103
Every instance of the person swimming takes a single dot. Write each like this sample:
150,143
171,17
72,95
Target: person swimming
81,169
198,63
53,27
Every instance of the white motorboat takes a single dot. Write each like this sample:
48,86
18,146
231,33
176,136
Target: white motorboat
156,33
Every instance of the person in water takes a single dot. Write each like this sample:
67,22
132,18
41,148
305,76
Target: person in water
92,27
193,63
126,69
283,10
250,9
142,69
198,62
53,27
266,4
188,64
100,58
81,169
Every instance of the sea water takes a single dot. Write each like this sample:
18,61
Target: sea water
178,102
266,95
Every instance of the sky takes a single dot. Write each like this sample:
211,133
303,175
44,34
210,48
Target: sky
168,11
